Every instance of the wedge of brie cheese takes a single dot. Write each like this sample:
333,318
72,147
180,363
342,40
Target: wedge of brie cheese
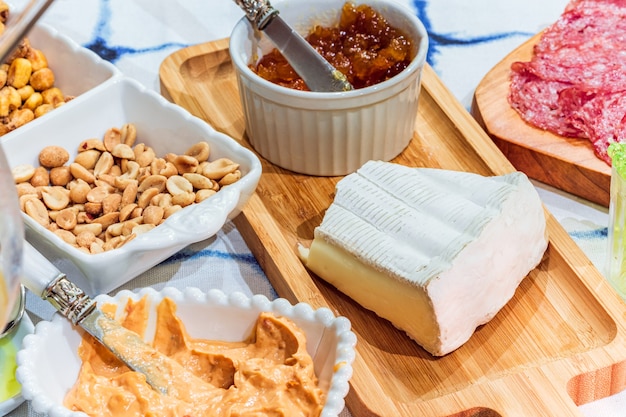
435,252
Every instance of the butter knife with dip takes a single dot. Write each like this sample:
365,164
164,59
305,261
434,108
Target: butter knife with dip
46,281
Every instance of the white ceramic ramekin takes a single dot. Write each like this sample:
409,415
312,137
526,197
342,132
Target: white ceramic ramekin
327,134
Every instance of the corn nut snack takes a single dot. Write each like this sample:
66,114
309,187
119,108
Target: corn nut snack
27,89
116,188
4,15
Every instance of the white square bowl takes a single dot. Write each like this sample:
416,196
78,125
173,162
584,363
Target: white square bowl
166,128
76,69
48,363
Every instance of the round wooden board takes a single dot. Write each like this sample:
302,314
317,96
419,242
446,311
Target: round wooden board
565,163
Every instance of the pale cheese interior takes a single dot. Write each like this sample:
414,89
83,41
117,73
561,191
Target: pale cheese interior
436,252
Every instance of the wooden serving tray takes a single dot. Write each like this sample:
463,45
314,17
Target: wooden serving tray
557,344
568,164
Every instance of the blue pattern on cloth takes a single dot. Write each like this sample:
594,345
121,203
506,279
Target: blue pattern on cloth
467,38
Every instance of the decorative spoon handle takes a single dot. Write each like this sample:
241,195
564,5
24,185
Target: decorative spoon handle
315,70
20,25
258,12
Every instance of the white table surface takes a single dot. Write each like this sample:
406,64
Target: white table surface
467,39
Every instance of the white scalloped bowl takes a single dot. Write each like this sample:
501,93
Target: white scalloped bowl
48,363
165,127
9,346
320,133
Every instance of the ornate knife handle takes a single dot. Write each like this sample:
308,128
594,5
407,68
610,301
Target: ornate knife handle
258,12
68,299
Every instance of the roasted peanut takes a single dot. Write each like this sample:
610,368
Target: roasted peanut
22,173
128,134
185,164
130,193
94,209
67,236
168,211
67,219
144,198
218,168
230,178
111,203
98,194
60,176
37,210
79,171
202,195
108,219
126,211
55,197
146,157
85,238
95,228
162,200
200,151
177,184
26,188
41,177
89,144
112,138
153,215
79,191
199,181
184,199
142,228
103,165
88,158
53,156
97,246
121,150
153,181
132,170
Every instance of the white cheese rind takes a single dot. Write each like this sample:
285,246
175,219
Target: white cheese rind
435,252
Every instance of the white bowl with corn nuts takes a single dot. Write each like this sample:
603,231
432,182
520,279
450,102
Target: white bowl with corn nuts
46,71
119,179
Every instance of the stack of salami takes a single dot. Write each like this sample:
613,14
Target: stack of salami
575,83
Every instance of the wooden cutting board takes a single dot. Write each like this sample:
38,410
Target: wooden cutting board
557,344
568,164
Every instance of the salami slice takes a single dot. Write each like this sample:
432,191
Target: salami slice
575,83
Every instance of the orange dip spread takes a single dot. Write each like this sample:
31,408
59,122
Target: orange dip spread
363,46
270,374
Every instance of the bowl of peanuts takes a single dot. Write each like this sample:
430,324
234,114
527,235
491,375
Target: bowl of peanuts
119,179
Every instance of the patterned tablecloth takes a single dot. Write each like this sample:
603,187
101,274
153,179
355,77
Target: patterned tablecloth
467,38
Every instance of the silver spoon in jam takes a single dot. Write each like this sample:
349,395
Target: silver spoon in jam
313,68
